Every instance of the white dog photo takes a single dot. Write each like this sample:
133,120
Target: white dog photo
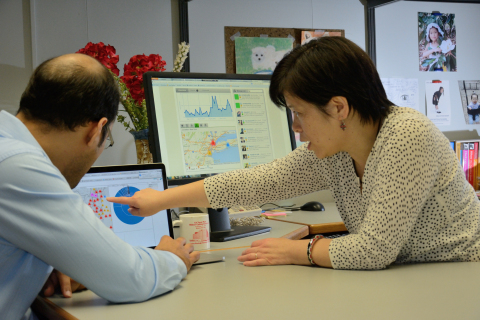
266,58
263,58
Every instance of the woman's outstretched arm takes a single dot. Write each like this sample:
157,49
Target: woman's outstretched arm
147,202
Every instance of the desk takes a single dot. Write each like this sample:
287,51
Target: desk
317,221
228,290
53,310
231,291
279,230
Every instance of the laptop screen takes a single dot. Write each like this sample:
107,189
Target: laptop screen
123,181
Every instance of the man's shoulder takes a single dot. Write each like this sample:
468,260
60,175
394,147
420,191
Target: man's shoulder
12,147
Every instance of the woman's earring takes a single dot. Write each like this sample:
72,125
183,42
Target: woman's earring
343,126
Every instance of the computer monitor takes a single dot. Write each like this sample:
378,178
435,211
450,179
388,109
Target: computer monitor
123,181
203,124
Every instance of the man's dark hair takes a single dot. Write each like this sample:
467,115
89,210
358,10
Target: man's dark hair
328,67
67,95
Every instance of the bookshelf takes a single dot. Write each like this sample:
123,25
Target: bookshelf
467,152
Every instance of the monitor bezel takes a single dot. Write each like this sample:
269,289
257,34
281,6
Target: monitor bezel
153,138
137,167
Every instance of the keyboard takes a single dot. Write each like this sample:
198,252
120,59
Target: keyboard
244,211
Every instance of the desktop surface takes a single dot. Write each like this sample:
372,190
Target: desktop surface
313,217
228,290
231,291
317,221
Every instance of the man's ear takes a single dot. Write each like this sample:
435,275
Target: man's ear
94,135
341,108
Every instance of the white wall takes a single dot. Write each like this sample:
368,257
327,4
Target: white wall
37,30
15,52
207,19
397,49
132,27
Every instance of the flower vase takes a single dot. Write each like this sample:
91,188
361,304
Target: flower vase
143,148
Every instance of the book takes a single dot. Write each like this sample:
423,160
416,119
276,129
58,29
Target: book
468,154
475,166
471,165
465,148
458,147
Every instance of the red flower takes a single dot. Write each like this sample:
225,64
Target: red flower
134,70
103,53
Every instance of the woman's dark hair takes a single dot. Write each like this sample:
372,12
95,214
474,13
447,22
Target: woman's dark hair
328,67
65,96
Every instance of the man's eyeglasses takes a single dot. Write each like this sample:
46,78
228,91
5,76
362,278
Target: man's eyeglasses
109,139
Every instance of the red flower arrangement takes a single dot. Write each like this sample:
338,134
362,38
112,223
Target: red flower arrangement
131,83
106,54
134,70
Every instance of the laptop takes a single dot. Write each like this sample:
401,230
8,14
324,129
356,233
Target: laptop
123,181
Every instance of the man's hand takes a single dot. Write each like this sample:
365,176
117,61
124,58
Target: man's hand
181,248
66,284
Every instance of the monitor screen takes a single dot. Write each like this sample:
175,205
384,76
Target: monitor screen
123,181
204,124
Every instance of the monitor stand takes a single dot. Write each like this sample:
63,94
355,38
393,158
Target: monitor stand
221,230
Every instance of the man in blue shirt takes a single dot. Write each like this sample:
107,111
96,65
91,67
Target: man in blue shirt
62,127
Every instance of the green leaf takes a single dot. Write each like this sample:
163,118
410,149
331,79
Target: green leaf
427,62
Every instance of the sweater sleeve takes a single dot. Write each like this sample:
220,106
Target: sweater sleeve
405,175
296,174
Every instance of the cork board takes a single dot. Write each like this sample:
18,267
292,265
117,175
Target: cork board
232,32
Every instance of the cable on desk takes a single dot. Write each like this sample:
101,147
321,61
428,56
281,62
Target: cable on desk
289,207
177,214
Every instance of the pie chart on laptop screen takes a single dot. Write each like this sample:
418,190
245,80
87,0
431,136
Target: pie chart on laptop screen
121,210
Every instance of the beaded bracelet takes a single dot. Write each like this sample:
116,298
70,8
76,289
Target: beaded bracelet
310,246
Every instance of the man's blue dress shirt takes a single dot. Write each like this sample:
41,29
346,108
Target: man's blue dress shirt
45,225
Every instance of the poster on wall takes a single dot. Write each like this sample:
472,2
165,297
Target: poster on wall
437,42
260,55
402,92
469,90
308,36
437,96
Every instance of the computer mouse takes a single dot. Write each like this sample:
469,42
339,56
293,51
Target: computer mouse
312,206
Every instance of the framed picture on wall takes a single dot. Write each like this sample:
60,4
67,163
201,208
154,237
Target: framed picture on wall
437,40
469,91
293,35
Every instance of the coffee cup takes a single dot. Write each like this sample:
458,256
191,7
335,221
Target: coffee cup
195,228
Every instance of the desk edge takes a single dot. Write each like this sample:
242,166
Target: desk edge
46,309
319,227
